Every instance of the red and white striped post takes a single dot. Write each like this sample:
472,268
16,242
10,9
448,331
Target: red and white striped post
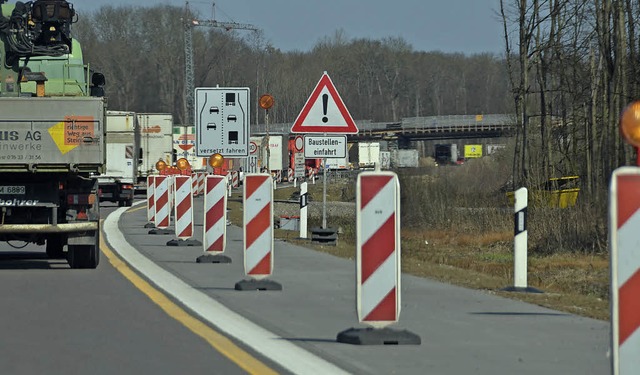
183,206
624,219
378,261
162,206
194,182
151,211
215,221
201,178
235,179
258,233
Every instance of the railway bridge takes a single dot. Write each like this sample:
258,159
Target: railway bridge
422,128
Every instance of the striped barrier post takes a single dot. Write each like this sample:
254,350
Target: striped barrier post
201,181
290,175
183,206
215,221
258,233
194,182
235,179
378,262
624,227
151,211
520,244
162,215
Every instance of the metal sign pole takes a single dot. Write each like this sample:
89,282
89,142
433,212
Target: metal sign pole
324,194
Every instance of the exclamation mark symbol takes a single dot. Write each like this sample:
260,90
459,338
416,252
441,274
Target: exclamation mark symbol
325,101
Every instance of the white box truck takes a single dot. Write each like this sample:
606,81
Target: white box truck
116,184
156,143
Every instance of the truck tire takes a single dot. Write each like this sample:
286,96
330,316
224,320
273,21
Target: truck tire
83,256
55,246
129,203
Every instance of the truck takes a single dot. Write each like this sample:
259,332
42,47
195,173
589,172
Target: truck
156,143
364,155
446,154
116,184
405,158
52,132
184,142
277,157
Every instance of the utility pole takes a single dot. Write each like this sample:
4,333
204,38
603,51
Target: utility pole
189,24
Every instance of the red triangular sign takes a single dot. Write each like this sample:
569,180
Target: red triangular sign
324,112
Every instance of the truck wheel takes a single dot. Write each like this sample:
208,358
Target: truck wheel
54,247
120,203
129,203
83,256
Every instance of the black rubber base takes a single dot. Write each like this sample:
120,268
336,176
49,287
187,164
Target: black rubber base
161,231
149,225
378,336
258,285
179,242
210,258
521,290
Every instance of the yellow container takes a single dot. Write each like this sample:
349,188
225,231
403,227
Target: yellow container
557,193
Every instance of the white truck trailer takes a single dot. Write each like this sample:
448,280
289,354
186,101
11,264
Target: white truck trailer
156,143
116,184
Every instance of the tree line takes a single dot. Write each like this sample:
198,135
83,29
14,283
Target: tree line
140,50
573,66
569,68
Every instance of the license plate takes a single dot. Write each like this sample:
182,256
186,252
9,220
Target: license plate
12,189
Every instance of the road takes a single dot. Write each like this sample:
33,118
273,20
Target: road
83,321
56,320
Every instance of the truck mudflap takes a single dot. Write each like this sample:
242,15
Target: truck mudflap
50,228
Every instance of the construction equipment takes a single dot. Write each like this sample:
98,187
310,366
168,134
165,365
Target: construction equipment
51,133
189,24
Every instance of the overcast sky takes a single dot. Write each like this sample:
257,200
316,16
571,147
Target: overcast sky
467,26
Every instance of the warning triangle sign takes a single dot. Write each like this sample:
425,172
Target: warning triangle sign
324,112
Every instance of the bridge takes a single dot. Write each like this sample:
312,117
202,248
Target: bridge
422,128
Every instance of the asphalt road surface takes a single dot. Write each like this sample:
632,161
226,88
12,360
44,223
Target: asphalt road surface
174,316
55,320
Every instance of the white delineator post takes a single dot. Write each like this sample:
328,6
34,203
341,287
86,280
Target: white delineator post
215,220
304,201
520,239
624,227
258,232
378,258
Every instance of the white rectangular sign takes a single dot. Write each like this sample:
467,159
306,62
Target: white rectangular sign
222,121
298,164
325,146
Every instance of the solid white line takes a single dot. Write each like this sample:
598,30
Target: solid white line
272,346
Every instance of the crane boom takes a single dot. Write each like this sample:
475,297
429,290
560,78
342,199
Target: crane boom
189,24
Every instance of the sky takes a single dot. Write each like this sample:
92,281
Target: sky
451,26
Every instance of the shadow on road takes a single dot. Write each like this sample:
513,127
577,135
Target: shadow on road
27,260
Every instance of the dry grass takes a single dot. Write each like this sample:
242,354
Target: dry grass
473,248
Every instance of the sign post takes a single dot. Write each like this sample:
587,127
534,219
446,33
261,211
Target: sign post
324,113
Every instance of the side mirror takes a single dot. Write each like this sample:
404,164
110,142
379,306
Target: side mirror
97,79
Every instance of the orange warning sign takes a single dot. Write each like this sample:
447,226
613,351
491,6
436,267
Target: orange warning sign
76,128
